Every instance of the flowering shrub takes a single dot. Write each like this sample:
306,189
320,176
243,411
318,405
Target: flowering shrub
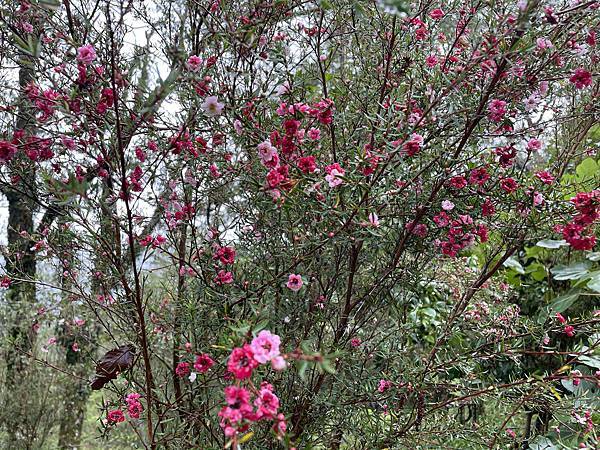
289,224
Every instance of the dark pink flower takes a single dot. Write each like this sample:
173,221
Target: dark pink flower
581,78
241,362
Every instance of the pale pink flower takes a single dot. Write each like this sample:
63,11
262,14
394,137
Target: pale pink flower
265,346
278,363
211,106
266,151
373,219
447,205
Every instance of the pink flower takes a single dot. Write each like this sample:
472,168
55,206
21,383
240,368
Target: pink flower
182,369
225,254
447,205
115,416
241,362
134,407
458,182
307,164
278,363
266,151
86,54
212,107
384,385
436,14
237,410
314,134
265,346
223,277
534,145
267,404
334,172
355,342
545,177
414,145
419,229
194,63
570,330
203,363
508,184
373,220
7,151
5,282
497,110
294,282
581,78
479,176
431,60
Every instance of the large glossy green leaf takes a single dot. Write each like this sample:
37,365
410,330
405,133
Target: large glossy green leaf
574,271
551,243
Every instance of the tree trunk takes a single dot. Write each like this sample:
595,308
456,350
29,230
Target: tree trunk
20,264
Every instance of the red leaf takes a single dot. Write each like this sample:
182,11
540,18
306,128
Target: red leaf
112,363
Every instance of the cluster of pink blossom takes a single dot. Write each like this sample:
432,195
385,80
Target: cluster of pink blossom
264,348
585,420
202,364
578,233
226,256
150,240
290,147
134,407
239,414
36,149
461,232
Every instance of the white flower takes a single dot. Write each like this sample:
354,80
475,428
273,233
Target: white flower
192,377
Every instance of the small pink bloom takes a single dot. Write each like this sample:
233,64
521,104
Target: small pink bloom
241,362
115,416
223,277
265,346
384,385
203,363
374,220
497,110
436,14
294,282
194,63
581,78
447,205
7,151
182,369
534,145
278,363
86,54
212,107
334,174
